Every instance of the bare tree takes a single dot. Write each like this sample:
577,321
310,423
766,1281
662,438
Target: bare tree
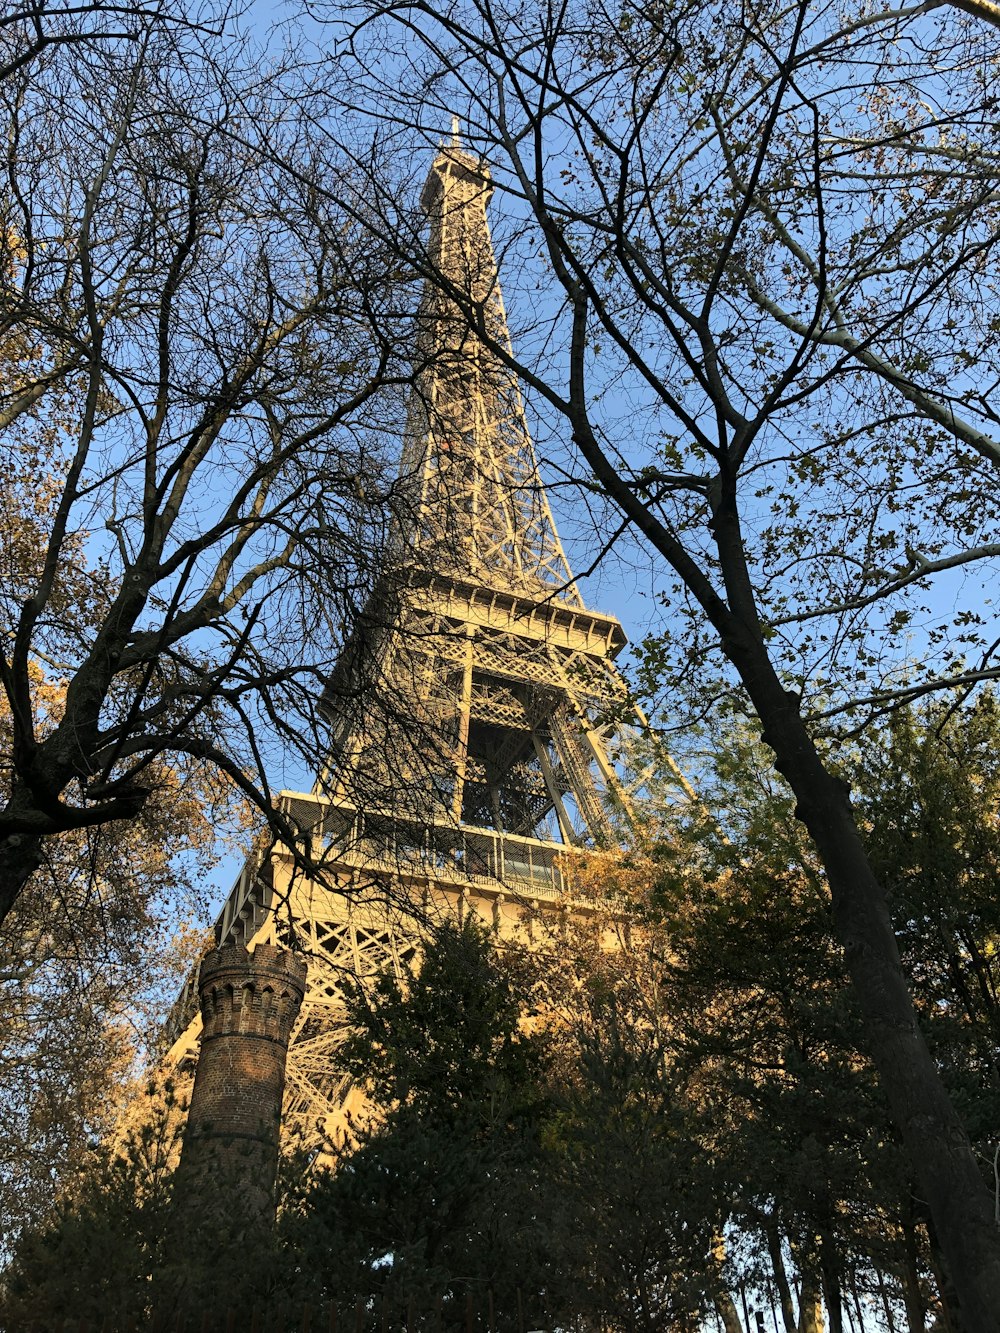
769,238
29,28
198,358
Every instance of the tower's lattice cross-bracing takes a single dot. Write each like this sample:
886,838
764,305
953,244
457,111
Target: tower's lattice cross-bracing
482,511
471,742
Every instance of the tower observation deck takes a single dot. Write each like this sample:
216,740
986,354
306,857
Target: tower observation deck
472,740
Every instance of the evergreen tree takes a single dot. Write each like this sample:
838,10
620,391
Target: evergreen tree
446,1191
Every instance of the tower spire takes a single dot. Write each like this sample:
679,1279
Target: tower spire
479,503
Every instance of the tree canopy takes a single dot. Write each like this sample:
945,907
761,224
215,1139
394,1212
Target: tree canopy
643,1134
197,485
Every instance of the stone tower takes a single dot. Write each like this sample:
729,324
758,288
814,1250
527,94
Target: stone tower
249,1003
475,719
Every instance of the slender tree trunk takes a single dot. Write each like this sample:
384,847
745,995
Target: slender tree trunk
810,1310
830,1271
890,1321
913,1298
858,1310
780,1276
728,1313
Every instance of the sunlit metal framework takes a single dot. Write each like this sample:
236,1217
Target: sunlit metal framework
473,732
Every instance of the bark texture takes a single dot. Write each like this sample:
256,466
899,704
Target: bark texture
20,857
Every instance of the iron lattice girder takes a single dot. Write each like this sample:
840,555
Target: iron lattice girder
480,504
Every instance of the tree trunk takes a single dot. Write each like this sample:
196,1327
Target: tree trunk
810,1310
728,1313
22,849
780,1276
953,1315
832,1293
890,1321
913,1298
934,1136
20,857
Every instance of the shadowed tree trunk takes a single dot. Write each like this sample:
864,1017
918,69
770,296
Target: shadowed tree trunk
810,1309
780,1276
726,1307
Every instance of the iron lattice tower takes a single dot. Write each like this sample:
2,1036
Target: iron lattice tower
471,746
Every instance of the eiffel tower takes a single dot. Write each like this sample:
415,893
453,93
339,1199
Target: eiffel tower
471,747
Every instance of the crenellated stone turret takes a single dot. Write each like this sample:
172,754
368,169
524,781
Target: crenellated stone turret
249,1003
